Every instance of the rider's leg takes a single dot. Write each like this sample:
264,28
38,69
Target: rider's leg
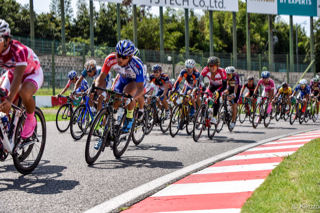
100,100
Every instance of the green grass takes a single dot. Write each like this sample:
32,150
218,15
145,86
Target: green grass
49,91
50,117
292,185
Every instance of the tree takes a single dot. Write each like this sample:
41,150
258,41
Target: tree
55,7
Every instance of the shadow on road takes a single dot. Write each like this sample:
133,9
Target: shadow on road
153,147
223,139
248,132
138,162
41,181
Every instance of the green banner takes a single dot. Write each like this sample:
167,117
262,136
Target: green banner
297,7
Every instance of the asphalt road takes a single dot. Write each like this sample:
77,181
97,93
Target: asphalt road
63,182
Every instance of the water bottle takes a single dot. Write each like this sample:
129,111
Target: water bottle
210,113
120,114
210,104
5,122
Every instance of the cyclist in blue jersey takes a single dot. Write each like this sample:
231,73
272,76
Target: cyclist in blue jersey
304,92
73,78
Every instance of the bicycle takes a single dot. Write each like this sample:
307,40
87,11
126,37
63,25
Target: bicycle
261,112
281,109
313,109
156,116
139,126
108,129
296,112
225,113
180,118
66,110
22,150
245,110
202,119
81,118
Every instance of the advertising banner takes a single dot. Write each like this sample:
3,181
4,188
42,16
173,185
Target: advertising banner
111,1
297,7
262,6
221,5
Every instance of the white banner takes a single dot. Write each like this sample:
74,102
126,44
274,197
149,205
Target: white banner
262,6
222,5
111,1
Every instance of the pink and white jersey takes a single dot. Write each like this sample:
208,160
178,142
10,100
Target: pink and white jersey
19,55
268,86
217,79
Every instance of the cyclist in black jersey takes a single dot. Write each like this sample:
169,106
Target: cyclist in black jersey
250,85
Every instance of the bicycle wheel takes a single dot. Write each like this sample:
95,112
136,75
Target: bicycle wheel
243,113
122,140
30,151
63,116
278,111
256,117
212,128
140,128
164,123
79,122
97,134
293,114
221,119
268,116
286,112
151,118
175,120
189,122
307,115
199,122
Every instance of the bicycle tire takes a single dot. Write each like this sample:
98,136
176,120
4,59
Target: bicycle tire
243,113
221,119
199,125
176,112
151,118
89,144
68,108
256,116
19,159
267,116
135,140
119,152
189,122
163,120
293,114
278,112
79,112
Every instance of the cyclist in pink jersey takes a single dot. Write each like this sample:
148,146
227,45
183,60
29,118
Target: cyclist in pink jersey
268,84
24,76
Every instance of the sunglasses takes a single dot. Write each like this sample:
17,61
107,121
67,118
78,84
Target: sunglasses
90,70
122,56
265,77
190,67
212,65
156,71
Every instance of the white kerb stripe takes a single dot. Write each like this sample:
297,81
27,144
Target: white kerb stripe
291,141
239,168
209,211
299,137
275,147
210,188
264,155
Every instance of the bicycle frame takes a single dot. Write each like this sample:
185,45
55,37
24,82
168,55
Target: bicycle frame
86,110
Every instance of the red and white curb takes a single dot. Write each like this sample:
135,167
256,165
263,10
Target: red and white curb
225,186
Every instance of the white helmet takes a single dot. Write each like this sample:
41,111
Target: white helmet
190,62
172,81
4,28
230,70
303,82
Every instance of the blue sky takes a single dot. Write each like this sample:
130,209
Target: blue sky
43,6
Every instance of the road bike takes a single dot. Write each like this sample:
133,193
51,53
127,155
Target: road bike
262,112
225,113
245,110
296,112
282,109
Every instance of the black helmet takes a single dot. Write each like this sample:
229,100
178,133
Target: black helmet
284,84
213,60
250,78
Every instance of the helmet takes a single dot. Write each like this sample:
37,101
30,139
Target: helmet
303,82
213,60
156,67
72,74
265,74
250,78
190,63
315,80
172,81
90,65
284,84
136,52
230,70
125,47
4,28
278,87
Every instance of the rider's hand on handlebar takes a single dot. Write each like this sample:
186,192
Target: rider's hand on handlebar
5,106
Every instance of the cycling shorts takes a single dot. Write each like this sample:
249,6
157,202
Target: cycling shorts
121,83
231,91
186,90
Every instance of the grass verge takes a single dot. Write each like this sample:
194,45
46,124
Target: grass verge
293,186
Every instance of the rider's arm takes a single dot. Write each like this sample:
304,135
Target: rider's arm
100,82
64,90
166,87
236,89
77,84
200,80
176,85
242,89
224,86
17,79
256,89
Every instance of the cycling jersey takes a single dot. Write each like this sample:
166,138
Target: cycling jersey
267,86
217,79
314,88
133,71
235,80
149,86
190,80
108,79
288,91
304,91
83,86
250,88
161,81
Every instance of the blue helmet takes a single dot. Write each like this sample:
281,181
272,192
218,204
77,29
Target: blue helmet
278,87
72,74
265,74
136,52
156,67
125,47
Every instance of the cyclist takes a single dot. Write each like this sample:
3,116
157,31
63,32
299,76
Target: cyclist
304,93
191,76
218,82
131,80
284,91
315,89
164,86
250,85
73,78
93,71
234,85
268,84
24,76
